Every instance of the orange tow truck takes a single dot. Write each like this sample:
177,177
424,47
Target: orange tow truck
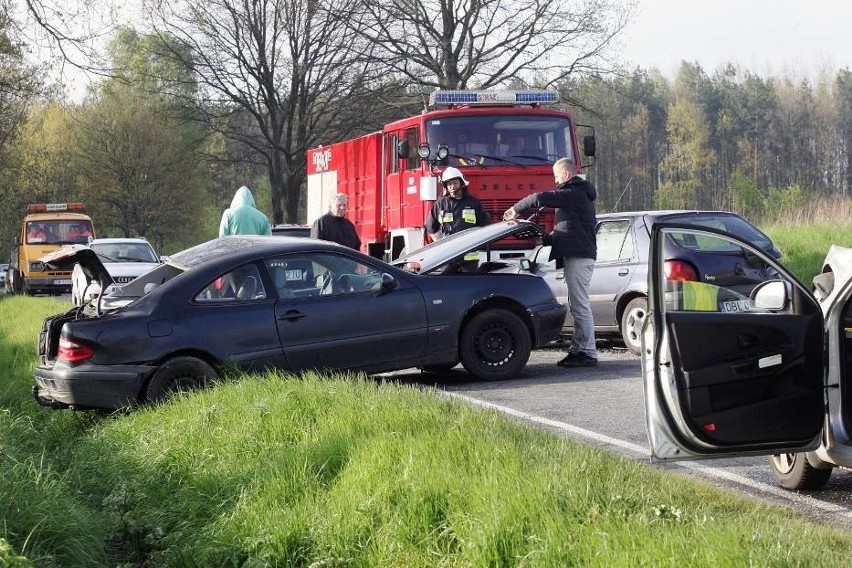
46,227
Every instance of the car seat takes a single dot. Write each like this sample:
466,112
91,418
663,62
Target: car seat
248,289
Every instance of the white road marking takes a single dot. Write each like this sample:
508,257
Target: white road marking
645,452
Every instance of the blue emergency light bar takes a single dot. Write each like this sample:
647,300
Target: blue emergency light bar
492,97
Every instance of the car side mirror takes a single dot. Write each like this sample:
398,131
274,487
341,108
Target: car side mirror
402,149
771,295
589,146
388,282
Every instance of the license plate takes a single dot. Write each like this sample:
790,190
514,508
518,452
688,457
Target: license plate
62,282
736,306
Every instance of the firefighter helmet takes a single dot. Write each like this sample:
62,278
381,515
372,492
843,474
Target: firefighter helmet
452,173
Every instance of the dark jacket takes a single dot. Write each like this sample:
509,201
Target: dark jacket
336,229
574,227
449,216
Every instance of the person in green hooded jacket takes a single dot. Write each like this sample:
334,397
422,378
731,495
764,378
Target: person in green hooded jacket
243,217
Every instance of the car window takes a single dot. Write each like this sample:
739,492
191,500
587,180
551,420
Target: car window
240,285
684,293
732,224
125,252
322,274
614,240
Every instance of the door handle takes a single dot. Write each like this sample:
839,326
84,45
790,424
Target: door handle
624,272
746,341
291,315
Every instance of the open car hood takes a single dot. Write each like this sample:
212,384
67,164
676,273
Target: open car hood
69,255
443,251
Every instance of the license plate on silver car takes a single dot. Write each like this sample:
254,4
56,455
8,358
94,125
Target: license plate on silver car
736,306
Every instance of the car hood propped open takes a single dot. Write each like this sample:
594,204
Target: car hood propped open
439,253
69,255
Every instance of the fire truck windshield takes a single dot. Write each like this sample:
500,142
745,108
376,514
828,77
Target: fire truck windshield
499,140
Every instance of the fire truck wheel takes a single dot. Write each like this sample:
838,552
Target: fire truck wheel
495,345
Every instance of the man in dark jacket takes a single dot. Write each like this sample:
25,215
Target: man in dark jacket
456,210
574,242
334,226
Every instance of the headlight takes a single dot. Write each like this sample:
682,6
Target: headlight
36,266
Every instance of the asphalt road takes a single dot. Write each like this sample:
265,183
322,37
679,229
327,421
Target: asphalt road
603,406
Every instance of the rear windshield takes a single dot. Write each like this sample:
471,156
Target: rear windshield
732,224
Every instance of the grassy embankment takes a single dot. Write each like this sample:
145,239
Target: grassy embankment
276,471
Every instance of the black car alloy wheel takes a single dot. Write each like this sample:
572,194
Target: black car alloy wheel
495,344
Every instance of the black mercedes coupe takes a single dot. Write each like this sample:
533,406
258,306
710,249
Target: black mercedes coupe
294,304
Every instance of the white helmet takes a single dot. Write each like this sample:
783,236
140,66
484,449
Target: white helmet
452,173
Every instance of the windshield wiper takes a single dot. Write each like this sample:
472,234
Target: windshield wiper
477,160
534,158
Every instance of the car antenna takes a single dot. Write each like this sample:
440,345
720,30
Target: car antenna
534,216
617,201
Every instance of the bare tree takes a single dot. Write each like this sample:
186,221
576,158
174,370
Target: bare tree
457,44
71,32
289,64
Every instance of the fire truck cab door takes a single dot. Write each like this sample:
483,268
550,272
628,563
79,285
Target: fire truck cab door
402,180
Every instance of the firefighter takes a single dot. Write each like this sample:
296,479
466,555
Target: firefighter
456,210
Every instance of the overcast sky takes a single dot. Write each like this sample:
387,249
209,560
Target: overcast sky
796,38
793,38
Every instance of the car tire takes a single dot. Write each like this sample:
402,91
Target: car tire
631,324
177,375
793,471
494,345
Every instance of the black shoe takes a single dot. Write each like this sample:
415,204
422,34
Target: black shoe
578,360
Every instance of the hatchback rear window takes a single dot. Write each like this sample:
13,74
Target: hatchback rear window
732,224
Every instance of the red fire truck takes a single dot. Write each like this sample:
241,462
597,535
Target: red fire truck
504,142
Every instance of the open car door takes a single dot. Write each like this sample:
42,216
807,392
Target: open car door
724,373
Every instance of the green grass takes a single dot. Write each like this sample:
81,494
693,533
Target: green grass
805,246
344,471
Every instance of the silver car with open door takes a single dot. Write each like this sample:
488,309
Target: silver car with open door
750,372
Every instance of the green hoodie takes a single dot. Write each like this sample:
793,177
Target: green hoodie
243,218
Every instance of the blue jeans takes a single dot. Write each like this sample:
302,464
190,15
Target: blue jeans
578,277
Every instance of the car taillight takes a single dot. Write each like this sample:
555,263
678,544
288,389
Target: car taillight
73,352
678,270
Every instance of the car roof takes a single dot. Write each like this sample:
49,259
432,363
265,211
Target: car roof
285,228
118,240
655,214
246,247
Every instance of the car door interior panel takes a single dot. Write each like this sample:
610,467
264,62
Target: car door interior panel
737,374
